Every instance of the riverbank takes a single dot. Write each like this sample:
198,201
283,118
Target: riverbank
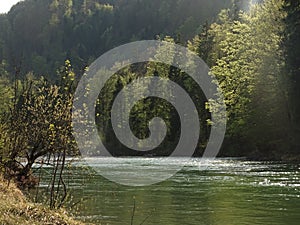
16,209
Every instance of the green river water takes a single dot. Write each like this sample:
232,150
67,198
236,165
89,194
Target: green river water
228,192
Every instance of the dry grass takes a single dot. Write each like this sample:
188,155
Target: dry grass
16,209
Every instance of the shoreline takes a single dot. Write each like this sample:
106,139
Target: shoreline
15,209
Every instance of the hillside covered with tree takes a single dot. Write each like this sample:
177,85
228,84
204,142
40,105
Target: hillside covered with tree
39,35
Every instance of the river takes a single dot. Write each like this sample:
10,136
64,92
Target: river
228,192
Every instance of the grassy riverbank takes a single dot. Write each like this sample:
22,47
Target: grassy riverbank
16,209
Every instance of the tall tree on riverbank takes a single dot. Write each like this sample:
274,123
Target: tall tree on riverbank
39,124
247,61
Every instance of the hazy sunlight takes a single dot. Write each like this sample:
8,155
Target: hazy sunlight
7,4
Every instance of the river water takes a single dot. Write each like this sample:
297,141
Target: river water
227,192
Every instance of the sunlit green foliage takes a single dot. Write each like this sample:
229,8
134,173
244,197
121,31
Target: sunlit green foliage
39,123
245,56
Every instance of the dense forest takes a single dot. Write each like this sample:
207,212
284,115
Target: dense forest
251,47
39,35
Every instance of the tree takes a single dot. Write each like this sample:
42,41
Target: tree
40,124
245,55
